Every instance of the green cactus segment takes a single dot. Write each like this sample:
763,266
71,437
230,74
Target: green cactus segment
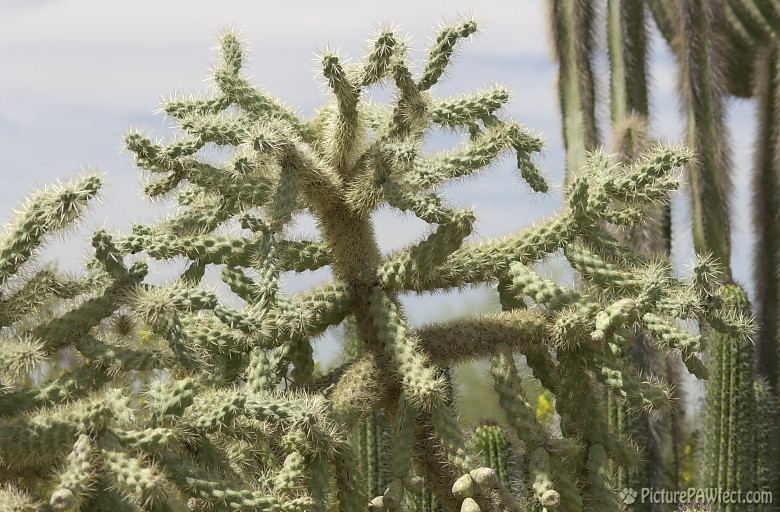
731,429
45,284
48,435
115,358
140,482
709,176
493,443
766,190
291,475
759,19
579,400
69,386
169,400
373,453
512,398
17,500
599,481
452,439
49,211
402,439
440,53
572,29
627,41
422,385
149,440
765,430
21,354
77,480
350,495
539,473
318,483
72,325
461,340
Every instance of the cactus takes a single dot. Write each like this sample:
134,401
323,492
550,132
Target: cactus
729,447
370,438
626,42
715,44
492,442
237,419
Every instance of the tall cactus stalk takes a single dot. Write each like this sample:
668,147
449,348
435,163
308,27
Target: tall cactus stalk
701,87
729,456
766,194
730,432
766,266
572,31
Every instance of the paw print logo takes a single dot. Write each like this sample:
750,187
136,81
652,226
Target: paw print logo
628,495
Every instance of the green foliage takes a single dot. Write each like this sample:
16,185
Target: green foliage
237,419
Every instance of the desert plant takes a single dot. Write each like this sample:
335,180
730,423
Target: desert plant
238,422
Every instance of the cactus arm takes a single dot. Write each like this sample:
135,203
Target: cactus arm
709,176
73,324
379,59
442,50
409,264
766,187
402,440
572,27
349,494
137,481
730,427
663,17
45,283
533,435
599,483
50,211
757,19
182,108
579,401
423,386
76,481
461,111
342,132
218,250
213,489
483,149
237,90
20,354
50,434
118,358
460,340
627,47
69,386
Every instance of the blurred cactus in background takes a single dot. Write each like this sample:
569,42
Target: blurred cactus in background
236,417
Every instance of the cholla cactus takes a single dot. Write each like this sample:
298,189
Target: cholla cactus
238,422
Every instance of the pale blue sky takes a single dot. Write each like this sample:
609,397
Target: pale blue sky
76,74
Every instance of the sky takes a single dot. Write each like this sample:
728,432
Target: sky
77,74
